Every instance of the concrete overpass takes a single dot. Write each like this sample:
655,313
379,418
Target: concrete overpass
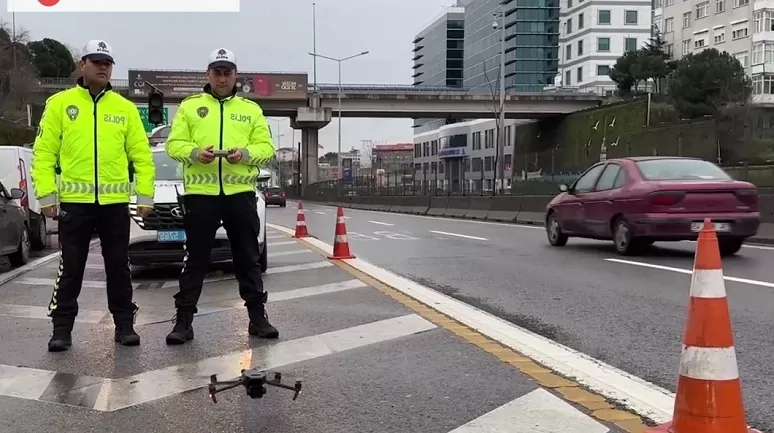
311,107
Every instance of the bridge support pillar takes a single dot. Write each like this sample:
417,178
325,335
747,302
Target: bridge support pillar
310,120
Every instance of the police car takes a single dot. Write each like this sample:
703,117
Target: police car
158,239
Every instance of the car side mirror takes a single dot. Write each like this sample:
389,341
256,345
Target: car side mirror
564,188
17,194
131,172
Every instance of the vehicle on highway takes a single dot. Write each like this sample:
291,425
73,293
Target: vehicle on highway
14,232
158,239
274,195
15,162
636,201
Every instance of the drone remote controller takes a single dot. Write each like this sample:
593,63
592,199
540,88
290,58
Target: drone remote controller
221,153
254,382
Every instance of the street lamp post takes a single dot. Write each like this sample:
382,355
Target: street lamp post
499,153
339,61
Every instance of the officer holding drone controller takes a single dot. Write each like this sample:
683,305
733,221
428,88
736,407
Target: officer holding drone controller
222,140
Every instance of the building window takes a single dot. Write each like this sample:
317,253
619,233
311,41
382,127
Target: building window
630,17
743,58
568,78
569,4
580,48
630,44
603,16
686,20
417,152
763,85
603,70
477,140
702,10
579,74
568,52
720,6
764,22
669,49
569,25
489,139
657,4
763,53
487,163
719,35
603,44
699,40
739,31
740,3
580,21
670,3
669,25
686,46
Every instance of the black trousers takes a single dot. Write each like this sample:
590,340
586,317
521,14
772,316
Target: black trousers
239,214
77,224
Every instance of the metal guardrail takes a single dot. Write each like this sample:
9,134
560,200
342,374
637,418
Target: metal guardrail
332,88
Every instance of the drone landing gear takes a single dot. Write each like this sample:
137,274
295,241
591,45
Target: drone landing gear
254,382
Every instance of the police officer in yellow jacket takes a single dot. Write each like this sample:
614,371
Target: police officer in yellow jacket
92,134
220,188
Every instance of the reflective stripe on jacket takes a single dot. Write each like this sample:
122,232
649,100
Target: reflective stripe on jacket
93,140
202,120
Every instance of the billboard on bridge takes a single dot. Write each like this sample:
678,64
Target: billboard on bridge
179,84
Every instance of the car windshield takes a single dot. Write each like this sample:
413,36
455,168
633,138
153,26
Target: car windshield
680,169
275,190
166,167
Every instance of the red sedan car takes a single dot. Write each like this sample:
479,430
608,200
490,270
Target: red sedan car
640,200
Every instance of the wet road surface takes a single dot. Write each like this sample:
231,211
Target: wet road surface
625,311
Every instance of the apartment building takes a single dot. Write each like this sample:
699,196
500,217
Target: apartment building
594,34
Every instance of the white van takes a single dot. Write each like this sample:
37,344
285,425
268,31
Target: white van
159,238
15,163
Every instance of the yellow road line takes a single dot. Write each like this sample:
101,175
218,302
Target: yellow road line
594,404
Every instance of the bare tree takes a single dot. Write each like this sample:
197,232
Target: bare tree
497,109
368,152
17,73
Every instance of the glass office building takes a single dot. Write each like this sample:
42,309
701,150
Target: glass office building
531,43
438,58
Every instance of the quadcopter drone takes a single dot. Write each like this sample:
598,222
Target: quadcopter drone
253,380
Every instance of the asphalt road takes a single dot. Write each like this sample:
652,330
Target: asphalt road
368,363
629,314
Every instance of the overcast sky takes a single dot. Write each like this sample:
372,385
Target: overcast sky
266,36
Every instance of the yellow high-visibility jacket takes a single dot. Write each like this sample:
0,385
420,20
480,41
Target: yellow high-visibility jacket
93,139
202,120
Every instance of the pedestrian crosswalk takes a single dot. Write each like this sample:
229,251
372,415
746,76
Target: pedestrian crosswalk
352,345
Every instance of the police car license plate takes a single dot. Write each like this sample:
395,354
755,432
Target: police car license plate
719,227
171,236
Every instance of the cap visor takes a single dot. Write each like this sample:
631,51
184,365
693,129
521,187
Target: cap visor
98,57
222,64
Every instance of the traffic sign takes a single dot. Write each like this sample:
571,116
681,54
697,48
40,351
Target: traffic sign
144,116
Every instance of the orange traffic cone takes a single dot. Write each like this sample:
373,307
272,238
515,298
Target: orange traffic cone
340,242
301,231
709,393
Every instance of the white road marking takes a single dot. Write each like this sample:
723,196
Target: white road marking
381,223
52,281
36,312
459,235
288,253
354,236
276,244
118,394
276,237
535,412
689,272
270,271
319,213
753,246
646,399
13,273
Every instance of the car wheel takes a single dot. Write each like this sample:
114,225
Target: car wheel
22,255
555,236
623,238
264,260
729,247
39,235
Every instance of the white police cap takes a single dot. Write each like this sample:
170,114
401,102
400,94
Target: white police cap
98,50
222,58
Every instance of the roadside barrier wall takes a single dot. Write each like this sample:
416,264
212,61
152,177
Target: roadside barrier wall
525,209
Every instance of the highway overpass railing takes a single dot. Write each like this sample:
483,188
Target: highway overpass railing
53,84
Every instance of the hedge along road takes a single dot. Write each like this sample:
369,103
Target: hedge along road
629,314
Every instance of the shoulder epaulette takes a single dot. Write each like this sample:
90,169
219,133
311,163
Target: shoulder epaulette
57,94
194,96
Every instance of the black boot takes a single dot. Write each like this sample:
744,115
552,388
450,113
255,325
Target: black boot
183,330
125,335
62,339
259,323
